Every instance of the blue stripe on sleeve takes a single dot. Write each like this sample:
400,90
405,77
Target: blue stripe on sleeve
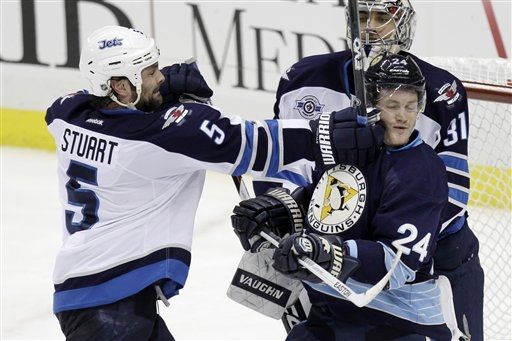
248,150
402,273
352,247
454,226
274,157
455,162
458,195
294,178
123,286
273,167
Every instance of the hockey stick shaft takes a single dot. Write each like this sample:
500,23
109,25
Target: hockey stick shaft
357,57
359,300
240,187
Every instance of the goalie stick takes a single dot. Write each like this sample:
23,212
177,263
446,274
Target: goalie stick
360,299
359,100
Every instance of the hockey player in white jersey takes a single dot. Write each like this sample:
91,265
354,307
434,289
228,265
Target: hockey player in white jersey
131,168
323,83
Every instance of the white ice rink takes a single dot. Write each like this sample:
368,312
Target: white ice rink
31,233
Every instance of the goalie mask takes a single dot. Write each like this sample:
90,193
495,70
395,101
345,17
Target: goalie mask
385,25
391,73
116,51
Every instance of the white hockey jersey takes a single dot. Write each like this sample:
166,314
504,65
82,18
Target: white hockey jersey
130,183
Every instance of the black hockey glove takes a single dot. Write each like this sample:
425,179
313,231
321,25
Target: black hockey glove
327,251
274,212
184,79
342,137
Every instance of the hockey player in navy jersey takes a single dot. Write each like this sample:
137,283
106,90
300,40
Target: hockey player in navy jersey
132,156
324,83
368,214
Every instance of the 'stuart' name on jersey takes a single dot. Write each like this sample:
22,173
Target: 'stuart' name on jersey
87,146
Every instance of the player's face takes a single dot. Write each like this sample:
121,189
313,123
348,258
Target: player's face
399,111
376,26
150,97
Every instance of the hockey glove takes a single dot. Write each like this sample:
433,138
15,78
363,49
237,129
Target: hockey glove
327,251
274,212
184,79
343,137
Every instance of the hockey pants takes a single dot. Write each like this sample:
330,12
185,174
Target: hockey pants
132,318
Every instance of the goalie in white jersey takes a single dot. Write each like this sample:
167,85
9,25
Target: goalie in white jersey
131,168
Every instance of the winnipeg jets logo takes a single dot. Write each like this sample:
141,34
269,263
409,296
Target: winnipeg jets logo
110,43
338,200
448,93
174,114
309,107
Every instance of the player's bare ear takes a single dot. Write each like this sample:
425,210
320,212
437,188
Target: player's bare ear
122,88
118,85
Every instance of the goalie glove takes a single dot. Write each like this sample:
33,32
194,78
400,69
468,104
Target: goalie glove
274,212
327,251
343,137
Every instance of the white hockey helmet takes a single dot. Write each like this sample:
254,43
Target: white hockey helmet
398,12
116,51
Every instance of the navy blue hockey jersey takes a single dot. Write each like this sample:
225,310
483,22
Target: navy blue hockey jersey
395,203
323,83
130,183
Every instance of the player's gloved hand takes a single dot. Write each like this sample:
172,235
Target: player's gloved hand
185,79
343,137
274,212
326,251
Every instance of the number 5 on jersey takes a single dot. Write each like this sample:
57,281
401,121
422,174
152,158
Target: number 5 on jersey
214,132
421,247
84,198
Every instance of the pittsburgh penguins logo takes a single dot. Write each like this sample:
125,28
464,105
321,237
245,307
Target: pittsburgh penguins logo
309,107
338,200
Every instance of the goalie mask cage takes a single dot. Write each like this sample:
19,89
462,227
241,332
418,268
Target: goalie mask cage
489,88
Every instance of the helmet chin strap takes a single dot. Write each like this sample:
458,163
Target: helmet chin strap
131,105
